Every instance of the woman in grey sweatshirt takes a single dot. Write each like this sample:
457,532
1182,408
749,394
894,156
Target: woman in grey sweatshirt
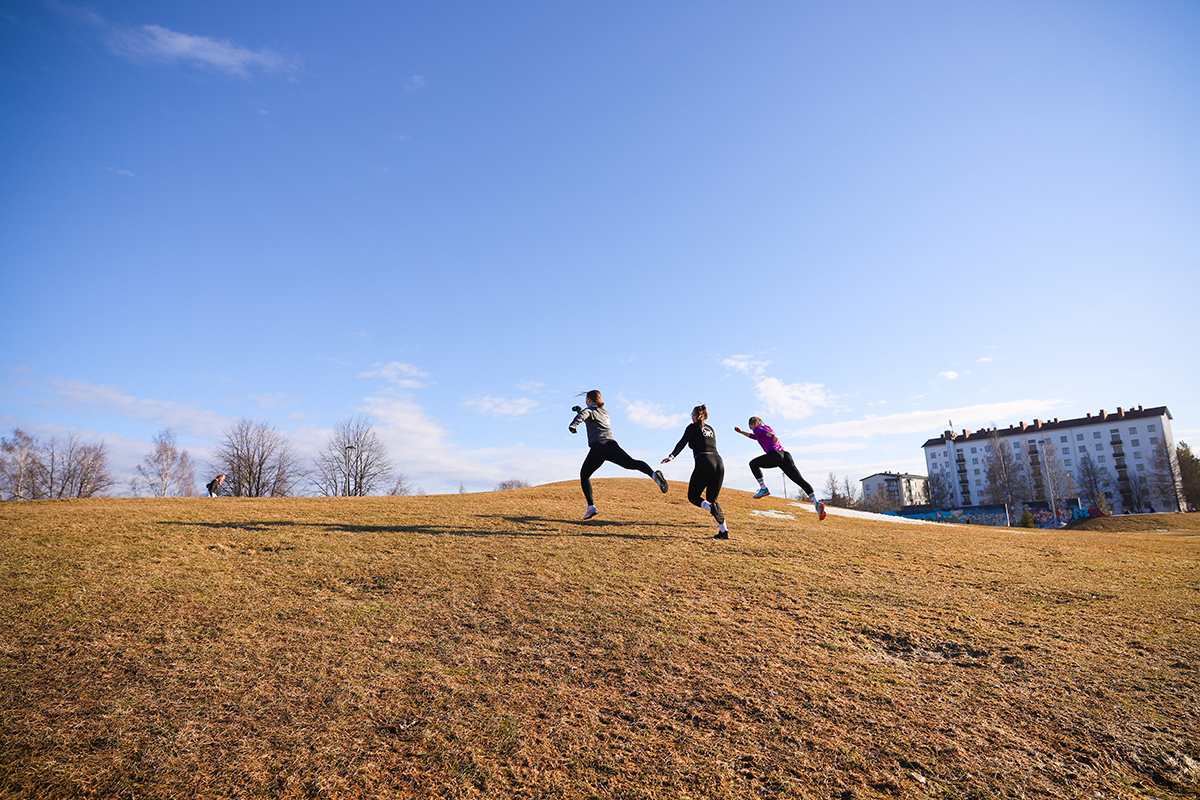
603,447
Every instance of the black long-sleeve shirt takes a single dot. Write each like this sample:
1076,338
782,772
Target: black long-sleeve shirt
701,438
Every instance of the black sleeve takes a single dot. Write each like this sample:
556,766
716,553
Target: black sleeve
687,432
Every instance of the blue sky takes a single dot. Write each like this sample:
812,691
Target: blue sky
857,220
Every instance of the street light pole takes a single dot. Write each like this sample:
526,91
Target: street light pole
349,447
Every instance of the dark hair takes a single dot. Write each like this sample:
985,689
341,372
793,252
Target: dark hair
594,397
700,411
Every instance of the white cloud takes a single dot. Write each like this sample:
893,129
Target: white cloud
649,415
420,447
417,83
156,43
124,172
934,422
948,374
984,360
199,422
163,45
403,375
501,406
789,400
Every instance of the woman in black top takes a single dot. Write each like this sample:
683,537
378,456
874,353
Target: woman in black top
709,472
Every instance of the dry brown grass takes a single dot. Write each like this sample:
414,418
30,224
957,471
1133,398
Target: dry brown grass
492,645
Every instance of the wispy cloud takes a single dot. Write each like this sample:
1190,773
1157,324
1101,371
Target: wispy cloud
403,375
500,406
124,172
92,397
649,415
948,374
934,422
789,400
416,83
984,360
158,44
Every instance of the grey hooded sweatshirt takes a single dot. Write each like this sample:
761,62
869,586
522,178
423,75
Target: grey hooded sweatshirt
596,419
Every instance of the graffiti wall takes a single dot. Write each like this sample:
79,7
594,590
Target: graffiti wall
994,514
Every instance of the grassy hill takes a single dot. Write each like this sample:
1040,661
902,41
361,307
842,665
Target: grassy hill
492,645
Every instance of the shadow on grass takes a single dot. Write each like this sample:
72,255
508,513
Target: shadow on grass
528,526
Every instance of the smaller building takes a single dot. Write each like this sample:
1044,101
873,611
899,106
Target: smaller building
897,487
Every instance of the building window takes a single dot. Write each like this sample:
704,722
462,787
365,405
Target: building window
977,470
1062,438
974,460
978,482
1108,495
1137,453
1095,434
972,449
1079,437
1141,467
1101,459
1104,470
1099,447
1150,429
1066,462
1133,430
1153,440
1135,442
1066,450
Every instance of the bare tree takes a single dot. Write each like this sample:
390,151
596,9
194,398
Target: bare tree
1054,475
258,461
1189,474
1139,492
511,483
401,486
1165,480
1003,478
18,465
69,468
166,471
941,490
354,462
1092,482
881,500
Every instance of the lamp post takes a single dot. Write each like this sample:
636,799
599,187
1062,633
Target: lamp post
349,447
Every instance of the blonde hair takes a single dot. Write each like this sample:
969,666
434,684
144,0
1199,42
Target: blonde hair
755,422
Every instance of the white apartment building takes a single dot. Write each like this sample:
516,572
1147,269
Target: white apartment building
904,488
1123,445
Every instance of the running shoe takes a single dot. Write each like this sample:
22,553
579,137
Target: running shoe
820,510
718,515
660,480
722,535
591,512
763,492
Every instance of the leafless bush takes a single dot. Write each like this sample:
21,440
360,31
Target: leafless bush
511,483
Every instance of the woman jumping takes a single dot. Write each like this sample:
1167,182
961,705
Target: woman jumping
709,472
775,456
603,447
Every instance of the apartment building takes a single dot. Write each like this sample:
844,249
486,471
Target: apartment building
1127,446
905,489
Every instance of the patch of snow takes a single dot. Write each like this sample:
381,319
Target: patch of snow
771,513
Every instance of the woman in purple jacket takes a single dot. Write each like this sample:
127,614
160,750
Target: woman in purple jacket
775,456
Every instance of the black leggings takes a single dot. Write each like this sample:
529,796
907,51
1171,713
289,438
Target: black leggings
783,460
607,451
707,477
